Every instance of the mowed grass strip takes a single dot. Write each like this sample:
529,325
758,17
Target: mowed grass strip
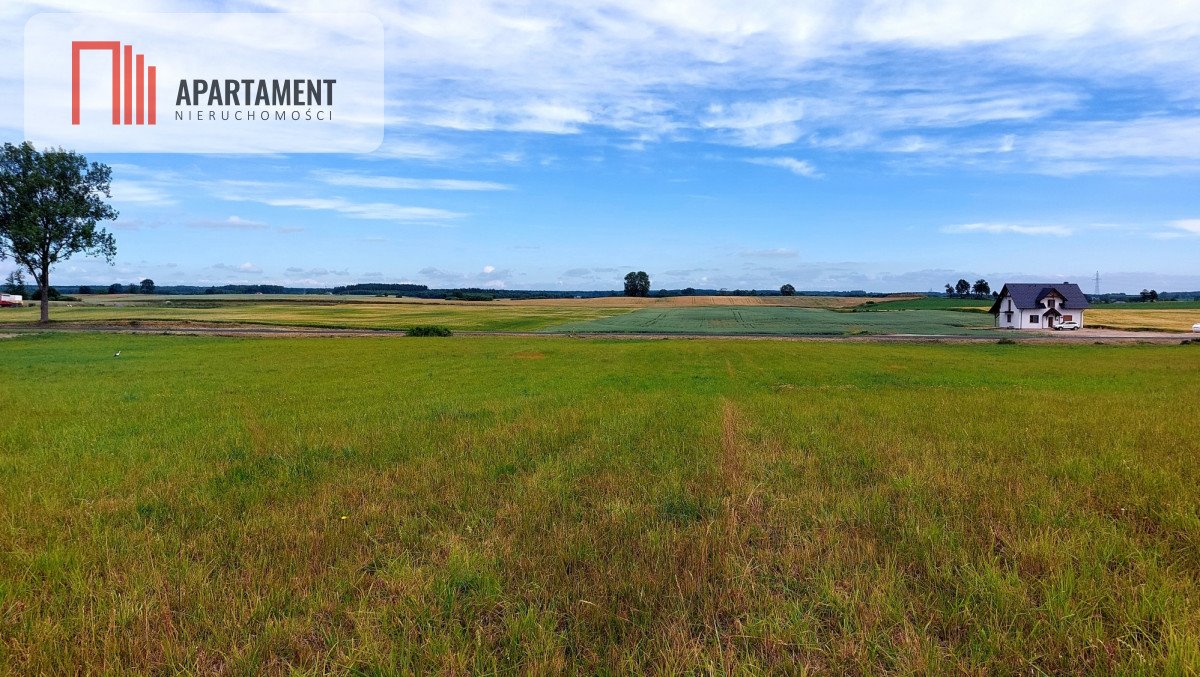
784,321
473,505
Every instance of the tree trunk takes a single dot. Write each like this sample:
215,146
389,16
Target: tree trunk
44,286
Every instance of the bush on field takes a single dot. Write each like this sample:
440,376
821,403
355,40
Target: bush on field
429,330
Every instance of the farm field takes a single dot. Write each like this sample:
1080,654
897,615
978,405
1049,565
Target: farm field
466,316
785,321
357,312
778,315
528,505
1159,319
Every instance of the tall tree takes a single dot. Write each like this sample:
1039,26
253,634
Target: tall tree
116,288
50,205
787,290
15,283
147,286
949,291
981,287
962,287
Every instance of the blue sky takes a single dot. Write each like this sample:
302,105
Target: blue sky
885,146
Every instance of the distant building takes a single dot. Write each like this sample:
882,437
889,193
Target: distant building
1038,306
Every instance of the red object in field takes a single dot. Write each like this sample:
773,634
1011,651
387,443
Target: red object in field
9,300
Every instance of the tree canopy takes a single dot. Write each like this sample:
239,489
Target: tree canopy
637,284
51,203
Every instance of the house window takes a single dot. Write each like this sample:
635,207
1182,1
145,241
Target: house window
1068,318
1033,319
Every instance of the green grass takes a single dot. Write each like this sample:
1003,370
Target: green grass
358,314
504,505
929,303
783,321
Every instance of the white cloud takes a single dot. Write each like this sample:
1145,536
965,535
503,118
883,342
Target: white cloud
232,223
1148,137
776,253
381,211
139,192
1187,225
793,165
364,180
755,124
1181,228
408,149
246,267
266,193
1008,228
869,75
950,23
488,270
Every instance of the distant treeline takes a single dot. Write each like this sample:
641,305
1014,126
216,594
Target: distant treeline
376,288
421,291
1145,297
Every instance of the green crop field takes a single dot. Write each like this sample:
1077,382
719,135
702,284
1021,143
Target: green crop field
784,321
500,505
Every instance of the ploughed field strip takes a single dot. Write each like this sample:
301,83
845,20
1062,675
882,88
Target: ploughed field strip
504,505
785,321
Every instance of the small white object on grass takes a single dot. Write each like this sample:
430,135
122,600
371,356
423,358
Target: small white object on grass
118,354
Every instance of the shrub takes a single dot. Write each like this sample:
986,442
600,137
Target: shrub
429,330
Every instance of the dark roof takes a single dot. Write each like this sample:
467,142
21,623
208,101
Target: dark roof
1027,295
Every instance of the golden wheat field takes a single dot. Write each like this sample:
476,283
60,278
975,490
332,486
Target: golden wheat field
1144,320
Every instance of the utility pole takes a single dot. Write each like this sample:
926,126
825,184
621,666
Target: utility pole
1097,283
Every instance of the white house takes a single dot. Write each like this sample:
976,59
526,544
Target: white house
1038,306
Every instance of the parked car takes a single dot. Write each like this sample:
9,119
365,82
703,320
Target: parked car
1071,325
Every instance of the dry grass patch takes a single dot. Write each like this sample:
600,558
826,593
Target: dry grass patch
1143,320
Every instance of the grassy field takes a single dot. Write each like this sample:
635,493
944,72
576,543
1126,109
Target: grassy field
784,321
504,505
